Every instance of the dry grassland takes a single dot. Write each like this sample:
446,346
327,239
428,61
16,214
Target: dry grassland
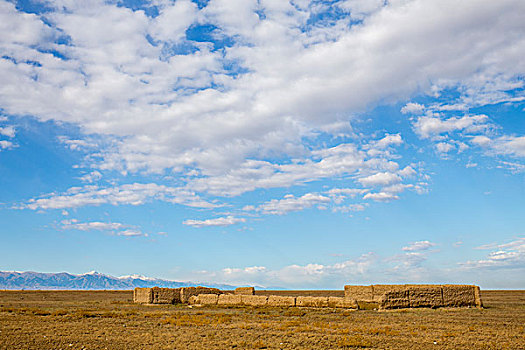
110,320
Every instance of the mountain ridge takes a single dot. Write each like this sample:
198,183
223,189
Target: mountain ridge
30,280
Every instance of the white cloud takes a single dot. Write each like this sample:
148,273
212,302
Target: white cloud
301,276
409,266
248,116
129,194
349,192
8,131
290,203
413,108
503,145
444,147
131,233
418,246
117,228
514,167
510,145
388,140
380,179
427,127
506,255
91,177
381,196
115,82
350,208
222,221
6,144
173,21
481,140
93,225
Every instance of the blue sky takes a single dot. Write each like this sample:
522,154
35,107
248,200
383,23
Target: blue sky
301,144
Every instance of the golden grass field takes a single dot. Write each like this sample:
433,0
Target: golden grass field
110,320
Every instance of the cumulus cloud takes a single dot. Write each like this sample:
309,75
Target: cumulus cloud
8,131
117,228
411,265
509,145
506,255
299,276
418,246
6,144
222,221
231,104
380,179
381,196
431,126
290,203
129,194
246,106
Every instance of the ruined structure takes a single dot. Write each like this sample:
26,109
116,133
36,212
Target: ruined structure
355,297
158,295
415,295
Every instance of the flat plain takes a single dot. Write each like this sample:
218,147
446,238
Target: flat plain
110,320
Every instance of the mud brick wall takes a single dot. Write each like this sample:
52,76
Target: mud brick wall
275,300
165,295
187,292
311,301
359,293
229,299
143,295
245,291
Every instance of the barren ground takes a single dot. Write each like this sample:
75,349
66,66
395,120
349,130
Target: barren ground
109,320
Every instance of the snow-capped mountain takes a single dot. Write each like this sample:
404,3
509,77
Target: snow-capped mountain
88,281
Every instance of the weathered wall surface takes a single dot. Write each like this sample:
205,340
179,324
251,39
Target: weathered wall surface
245,291
379,289
338,302
311,301
254,300
359,293
165,295
229,299
415,295
458,295
381,296
425,296
187,292
395,299
274,300
143,295
477,297
207,299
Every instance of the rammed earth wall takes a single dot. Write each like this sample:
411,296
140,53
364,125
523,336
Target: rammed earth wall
377,296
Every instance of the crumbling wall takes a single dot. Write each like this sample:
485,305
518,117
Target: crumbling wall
165,295
275,300
395,299
143,295
207,299
229,299
338,302
254,300
245,291
477,297
425,296
359,293
457,295
311,301
186,292
379,289
379,296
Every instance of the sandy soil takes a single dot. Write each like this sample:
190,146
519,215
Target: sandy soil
109,320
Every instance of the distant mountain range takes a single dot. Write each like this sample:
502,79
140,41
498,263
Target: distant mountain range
88,281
